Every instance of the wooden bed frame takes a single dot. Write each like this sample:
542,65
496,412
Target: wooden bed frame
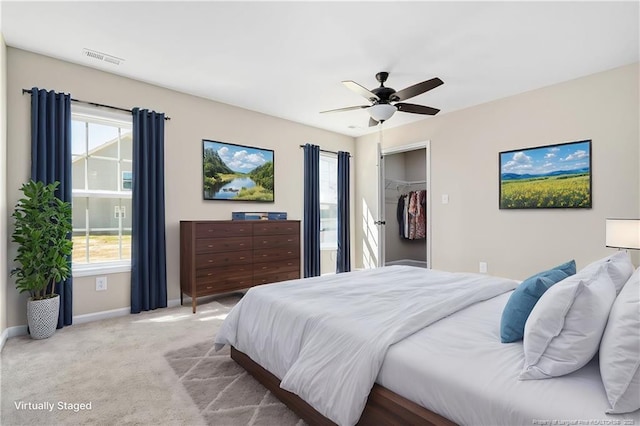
384,407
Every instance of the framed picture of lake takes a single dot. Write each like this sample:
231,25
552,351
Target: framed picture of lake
546,177
236,172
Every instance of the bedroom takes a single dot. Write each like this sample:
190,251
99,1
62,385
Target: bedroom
464,144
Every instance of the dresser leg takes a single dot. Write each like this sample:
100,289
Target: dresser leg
181,296
193,304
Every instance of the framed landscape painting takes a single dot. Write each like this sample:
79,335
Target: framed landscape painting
546,177
236,172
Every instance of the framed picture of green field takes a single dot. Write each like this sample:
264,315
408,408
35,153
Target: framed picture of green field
546,177
236,172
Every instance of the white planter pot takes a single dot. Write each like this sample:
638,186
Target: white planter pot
42,317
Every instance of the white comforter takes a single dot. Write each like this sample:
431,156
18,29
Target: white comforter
326,337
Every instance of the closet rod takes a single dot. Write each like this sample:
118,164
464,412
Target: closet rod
327,151
94,104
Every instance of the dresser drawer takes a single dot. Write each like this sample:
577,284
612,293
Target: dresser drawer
215,279
270,241
278,253
222,285
290,265
226,271
275,277
215,245
210,260
225,229
276,227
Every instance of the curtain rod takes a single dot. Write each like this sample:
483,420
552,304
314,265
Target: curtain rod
94,104
325,150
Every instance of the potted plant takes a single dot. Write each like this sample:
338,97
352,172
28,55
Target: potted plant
42,228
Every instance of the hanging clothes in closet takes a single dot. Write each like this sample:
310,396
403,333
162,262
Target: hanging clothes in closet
412,215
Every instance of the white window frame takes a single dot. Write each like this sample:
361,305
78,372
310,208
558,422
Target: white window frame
122,120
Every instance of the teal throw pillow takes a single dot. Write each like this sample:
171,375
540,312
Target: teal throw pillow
525,297
568,268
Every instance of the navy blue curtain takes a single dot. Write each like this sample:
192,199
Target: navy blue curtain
51,161
311,231
343,258
148,249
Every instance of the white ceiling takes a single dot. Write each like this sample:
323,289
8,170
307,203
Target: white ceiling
287,59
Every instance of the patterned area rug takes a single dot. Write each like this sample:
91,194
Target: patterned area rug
224,392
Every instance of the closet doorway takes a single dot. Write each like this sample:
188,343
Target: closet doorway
403,188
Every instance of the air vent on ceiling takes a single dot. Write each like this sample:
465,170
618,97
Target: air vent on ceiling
101,56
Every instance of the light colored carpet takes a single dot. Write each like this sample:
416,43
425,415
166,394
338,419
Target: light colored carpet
119,367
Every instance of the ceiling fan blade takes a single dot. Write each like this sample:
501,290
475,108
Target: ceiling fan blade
346,108
360,90
416,89
372,122
416,109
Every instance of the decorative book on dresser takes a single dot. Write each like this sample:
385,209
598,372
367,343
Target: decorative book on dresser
220,256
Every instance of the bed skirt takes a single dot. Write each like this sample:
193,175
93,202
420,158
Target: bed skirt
384,407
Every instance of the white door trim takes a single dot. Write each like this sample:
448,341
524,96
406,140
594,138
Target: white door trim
381,204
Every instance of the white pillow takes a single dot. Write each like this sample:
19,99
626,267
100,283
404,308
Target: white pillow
620,350
564,329
619,268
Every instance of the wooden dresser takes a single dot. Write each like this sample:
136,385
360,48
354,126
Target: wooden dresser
220,256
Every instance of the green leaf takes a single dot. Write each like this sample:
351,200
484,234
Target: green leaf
42,232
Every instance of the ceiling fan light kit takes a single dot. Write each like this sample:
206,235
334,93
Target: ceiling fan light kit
381,98
381,112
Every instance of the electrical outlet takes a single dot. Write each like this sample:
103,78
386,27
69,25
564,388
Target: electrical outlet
101,283
483,267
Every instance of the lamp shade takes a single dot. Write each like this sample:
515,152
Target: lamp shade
623,233
381,112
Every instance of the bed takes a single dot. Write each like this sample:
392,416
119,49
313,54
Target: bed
437,356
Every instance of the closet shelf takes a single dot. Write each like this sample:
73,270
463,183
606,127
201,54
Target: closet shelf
402,184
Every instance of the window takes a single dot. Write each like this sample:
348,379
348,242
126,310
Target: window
328,202
102,177
127,181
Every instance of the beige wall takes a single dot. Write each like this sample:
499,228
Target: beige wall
4,272
464,154
464,164
192,119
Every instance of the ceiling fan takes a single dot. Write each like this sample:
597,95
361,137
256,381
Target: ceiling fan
385,101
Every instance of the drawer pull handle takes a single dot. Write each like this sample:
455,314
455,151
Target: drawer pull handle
264,242
289,240
209,287
210,245
242,258
241,244
210,273
210,260
289,252
264,267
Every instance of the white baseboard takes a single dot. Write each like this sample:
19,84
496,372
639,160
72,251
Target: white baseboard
120,312
21,330
173,303
3,338
97,316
